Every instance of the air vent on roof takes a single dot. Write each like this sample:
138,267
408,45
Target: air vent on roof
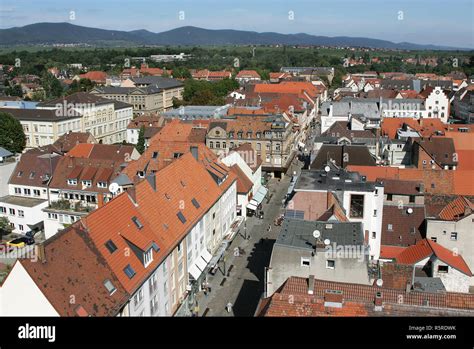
111,246
137,222
167,196
195,203
183,183
181,217
128,270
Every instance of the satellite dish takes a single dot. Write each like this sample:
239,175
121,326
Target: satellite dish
409,210
327,168
316,234
327,242
379,282
113,188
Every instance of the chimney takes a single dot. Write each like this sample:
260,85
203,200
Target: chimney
422,187
311,284
408,287
40,252
378,301
194,151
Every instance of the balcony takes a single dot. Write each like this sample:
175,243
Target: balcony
66,205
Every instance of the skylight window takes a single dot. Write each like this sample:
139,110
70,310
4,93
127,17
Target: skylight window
32,174
195,203
110,286
155,155
129,271
137,222
181,217
111,246
20,173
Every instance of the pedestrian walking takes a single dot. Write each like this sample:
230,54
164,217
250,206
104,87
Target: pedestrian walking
229,307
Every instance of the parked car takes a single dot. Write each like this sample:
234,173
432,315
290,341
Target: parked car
21,242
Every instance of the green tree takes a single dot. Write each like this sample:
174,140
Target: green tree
5,227
141,140
12,136
14,91
52,87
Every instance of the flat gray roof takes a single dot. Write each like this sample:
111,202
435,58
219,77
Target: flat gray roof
21,201
334,180
299,233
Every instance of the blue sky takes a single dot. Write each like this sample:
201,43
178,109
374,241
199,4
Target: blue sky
442,22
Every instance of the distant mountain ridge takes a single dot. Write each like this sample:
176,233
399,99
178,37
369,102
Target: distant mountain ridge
67,33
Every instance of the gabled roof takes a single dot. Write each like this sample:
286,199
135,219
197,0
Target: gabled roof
343,155
74,266
457,209
426,248
248,74
244,184
36,167
440,149
119,153
156,204
69,140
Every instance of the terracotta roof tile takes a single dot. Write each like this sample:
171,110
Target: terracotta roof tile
426,248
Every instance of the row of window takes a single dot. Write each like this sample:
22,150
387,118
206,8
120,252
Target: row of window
12,212
27,191
232,145
86,183
63,218
306,262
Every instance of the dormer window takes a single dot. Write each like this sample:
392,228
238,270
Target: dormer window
20,173
87,183
231,134
141,174
137,222
110,287
148,257
239,134
101,184
32,174
258,134
72,181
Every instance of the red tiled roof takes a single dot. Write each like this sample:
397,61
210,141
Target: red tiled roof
96,76
292,299
426,248
73,266
456,209
248,74
390,252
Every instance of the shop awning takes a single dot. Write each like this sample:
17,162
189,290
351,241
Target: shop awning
195,272
215,259
206,256
200,264
251,206
259,196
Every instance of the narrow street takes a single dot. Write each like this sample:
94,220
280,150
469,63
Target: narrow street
240,279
